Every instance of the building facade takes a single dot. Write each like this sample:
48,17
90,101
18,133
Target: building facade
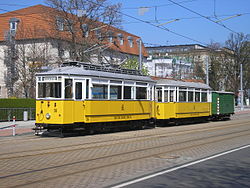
178,61
39,36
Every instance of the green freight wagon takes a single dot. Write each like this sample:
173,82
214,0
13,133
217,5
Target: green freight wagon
222,105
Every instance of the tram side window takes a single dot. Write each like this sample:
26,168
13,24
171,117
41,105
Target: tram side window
171,96
182,96
159,95
166,96
197,96
99,91
87,89
78,90
127,92
141,93
204,96
41,90
115,92
68,88
52,89
190,96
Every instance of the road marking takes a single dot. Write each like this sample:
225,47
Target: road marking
178,167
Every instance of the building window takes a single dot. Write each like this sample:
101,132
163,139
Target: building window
60,24
68,25
85,30
13,24
110,36
98,34
61,52
121,39
130,41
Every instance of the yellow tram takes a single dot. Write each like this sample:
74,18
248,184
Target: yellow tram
179,100
82,96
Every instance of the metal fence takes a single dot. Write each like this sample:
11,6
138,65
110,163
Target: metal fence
7,114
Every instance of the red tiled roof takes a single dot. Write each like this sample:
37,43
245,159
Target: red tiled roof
36,23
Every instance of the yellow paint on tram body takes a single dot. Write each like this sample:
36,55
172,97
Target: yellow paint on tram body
182,110
90,111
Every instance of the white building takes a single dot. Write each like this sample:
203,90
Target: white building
168,67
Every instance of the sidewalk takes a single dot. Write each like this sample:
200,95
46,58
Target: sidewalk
22,127
245,110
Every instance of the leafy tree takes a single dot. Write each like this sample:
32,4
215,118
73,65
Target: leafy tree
133,64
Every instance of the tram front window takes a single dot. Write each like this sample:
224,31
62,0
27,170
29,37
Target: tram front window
50,89
68,88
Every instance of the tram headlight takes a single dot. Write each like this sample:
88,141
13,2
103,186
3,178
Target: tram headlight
47,116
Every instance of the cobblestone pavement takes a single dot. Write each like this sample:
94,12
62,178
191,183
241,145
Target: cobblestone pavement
107,159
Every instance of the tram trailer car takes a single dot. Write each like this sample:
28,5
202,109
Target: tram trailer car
84,97
222,105
181,102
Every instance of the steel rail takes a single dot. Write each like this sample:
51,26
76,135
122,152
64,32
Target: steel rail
130,140
204,141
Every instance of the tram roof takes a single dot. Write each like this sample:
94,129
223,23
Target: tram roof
166,82
80,71
224,92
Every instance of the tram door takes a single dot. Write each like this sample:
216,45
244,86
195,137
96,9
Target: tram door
81,89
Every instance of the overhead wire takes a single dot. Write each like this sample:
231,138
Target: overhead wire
160,27
150,22
164,5
189,18
222,25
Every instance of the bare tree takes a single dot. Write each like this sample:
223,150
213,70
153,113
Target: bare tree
220,61
10,62
84,20
240,45
32,54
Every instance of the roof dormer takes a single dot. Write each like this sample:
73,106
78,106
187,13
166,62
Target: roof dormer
13,24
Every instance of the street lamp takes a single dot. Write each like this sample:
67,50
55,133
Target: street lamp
241,89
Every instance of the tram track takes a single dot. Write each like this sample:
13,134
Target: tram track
117,141
48,138
86,146
124,157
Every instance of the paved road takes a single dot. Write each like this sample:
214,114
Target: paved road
230,171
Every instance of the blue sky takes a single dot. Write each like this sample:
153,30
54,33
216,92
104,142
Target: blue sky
190,25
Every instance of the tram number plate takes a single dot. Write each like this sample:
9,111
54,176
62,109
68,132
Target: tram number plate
123,117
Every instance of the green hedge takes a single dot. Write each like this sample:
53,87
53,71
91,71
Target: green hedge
17,103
